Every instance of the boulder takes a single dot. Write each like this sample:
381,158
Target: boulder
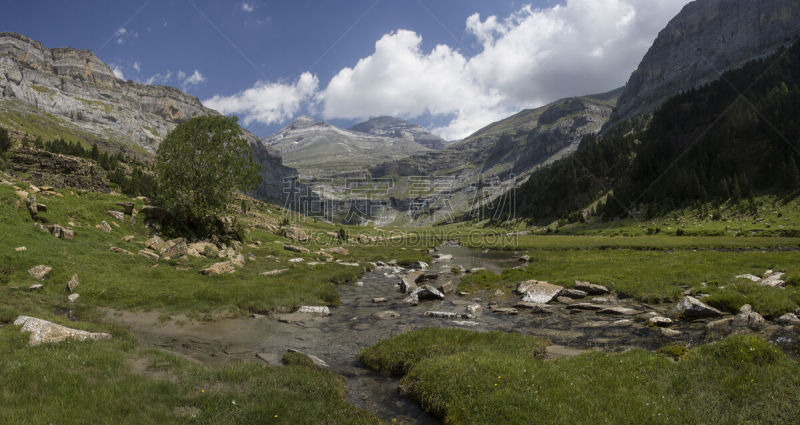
717,324
692,308
590,288
43,332
20,249
748,276
218,268
296,233
541,293
73,283
128,238
748,317
618,311
177,250
119,215
119,250
420,265
319,310
104,227
40,272
788,319
150,255
772,279
522,287
525,259
474,308
447,315
156,244
36,287
408,284
669,333
659,321
447,287
573,293
428,292
127,207
565,300
412,299
61,232
32,206
73,297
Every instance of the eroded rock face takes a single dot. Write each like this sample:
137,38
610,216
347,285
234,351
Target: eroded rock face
43,332
706,38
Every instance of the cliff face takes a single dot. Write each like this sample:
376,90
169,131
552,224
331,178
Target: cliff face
69,91
707,38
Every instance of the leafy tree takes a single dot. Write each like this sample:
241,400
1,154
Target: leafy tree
199,165
5,141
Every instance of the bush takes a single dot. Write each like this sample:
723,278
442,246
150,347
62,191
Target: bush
5,141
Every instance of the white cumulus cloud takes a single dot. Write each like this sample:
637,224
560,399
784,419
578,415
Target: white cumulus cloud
268,102
117,72
248,7
192,80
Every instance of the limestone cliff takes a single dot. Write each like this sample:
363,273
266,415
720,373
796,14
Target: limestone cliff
707,38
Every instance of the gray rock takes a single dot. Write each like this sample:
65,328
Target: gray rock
618,311
119,250
73,297
44,332
217,268
585,307
295,248
316,360
720,323
443,257
669,333
788,319
73,283
772,279
319,310
421,265
412,299
573,293
61,232
750,277
474,308
692,308
590,288
505,310
660,321
428,292
119,215
748,317
447,288
36,287
541,293
150,255
525,259
104,227
40,272
565,300
447,315
535,308
388,314
177,250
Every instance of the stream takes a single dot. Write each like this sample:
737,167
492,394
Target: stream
359,322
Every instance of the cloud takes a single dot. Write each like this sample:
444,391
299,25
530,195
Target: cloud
117,72
527,59
268,102
248,7
191,80
137,66
159,78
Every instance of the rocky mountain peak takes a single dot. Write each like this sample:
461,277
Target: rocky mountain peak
386,126
707,38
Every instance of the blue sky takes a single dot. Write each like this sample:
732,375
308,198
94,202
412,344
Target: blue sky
452,65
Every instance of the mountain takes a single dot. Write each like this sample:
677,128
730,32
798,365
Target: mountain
70,93
321,149
397,128
707,38
504,153
730,140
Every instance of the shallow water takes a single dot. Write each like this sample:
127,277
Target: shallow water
353,326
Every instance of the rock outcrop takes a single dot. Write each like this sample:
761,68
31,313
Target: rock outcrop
707,38
400,129
43,332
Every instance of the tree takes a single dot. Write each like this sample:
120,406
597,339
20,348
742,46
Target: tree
5,141
199,165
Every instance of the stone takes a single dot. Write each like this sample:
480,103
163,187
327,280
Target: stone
525,259
40,272
36,287
717,324
420,265
61,232
447,288
749,277
443,257
409,282
274,272
295,248
119,215
474,308
565,300
379,300
428,292
499,293
692,308
772,279
590,288
319,310
618,311
296,260
296,233
128,238
34,189
659,321
430,276
218,268
585,307
20,249
788,319
467,323
541,293
535,308
271,359
104,227
447,315
412,299
384,315
205,249
150,255
32,206
73,283
505,310
127,207
338,250
44,332
573,293
177,250
73,297
119,250
522,287
314,359
669,333
622,322
22,195
748,317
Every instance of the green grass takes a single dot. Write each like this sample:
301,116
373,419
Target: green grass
654,276
43,89
112,382
742,379
96,104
